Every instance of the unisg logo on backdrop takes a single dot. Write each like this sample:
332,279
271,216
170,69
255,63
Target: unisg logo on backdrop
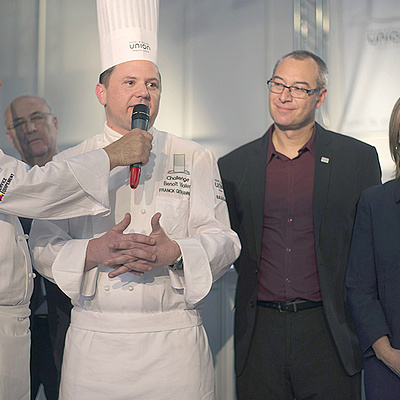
138,45
384,38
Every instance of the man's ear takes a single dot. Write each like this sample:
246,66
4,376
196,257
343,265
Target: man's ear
11,139
321,97
15,142
55,122
101,93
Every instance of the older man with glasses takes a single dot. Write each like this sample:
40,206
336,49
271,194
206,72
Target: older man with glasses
292,197
32,129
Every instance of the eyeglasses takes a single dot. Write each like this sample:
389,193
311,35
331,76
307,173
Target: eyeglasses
37,118
296,92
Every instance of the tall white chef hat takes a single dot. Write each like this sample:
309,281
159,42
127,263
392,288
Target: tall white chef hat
127,31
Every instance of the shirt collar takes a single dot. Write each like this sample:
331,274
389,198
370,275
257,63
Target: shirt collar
309,146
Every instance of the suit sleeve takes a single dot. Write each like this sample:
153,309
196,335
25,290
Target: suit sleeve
361,281
370,173
229,190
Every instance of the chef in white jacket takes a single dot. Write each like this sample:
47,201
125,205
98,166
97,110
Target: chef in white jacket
78,186
136,330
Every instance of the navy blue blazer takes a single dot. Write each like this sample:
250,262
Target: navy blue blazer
344,167
373,275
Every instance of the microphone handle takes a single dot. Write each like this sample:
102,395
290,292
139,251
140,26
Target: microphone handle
135,169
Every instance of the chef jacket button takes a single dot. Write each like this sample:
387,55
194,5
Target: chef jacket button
20,319
143,211
26,236
130,288
107,288
31,275
148,176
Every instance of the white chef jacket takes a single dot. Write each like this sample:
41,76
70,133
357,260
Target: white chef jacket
59,189
142,337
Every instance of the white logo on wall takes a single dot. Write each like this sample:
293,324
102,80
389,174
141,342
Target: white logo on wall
383,38
373,28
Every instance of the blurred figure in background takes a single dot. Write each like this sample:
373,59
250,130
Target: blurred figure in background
32,129
373,278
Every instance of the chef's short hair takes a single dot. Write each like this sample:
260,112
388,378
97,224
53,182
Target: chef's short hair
105,76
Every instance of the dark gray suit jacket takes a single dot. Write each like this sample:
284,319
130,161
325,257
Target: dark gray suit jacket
373,274
344,167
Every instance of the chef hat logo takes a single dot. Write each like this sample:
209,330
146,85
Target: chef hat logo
127,31
140,46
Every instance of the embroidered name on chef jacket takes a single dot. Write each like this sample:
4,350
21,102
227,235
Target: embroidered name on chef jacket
5,183
177,180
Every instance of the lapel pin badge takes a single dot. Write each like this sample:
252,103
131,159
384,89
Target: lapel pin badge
325,160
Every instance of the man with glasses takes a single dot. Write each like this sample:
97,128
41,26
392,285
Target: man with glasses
32,129
292,197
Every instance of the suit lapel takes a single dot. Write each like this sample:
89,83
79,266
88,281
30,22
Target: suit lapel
323,162
257,190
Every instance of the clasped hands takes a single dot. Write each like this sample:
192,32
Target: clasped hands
132,252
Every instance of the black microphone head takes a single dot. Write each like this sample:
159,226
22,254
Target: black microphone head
140,117
141,111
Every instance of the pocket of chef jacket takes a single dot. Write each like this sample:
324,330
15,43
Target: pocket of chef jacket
174,215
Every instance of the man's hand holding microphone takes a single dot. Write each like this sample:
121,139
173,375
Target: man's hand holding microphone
134,147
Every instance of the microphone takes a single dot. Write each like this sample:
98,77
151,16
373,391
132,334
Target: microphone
140,119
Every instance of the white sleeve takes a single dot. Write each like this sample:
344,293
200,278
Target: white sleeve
61,259
69,188
212,246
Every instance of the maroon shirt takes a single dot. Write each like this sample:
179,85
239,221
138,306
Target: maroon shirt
288,265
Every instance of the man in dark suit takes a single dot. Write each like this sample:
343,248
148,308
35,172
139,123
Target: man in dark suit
292,198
